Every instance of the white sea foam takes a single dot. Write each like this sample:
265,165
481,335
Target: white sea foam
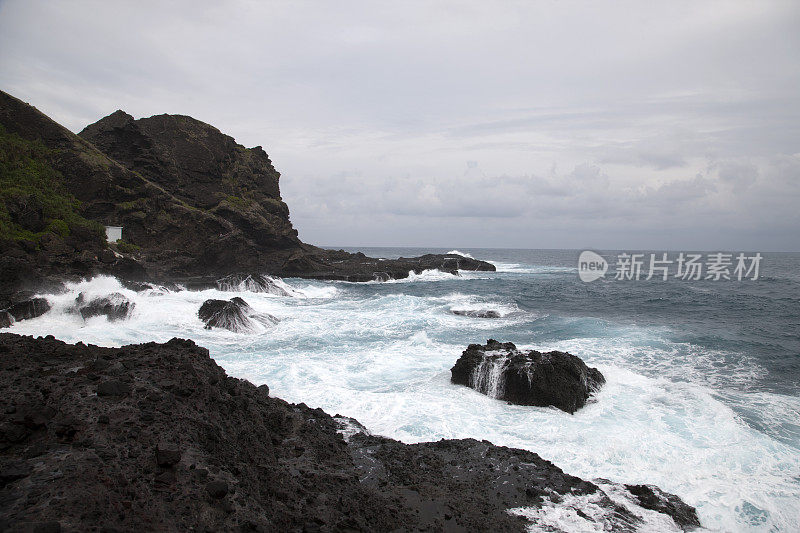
462,254
426,275
590,513
517,268
384,360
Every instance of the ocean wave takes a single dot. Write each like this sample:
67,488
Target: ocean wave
518,268
462,254
384,359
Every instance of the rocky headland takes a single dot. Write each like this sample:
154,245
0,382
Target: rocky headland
194,205
157,436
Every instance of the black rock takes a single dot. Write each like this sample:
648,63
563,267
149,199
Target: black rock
527,377
217,489
6,319
382,276
289,465
29,308
167,454
115,306
655,499
476,313
12,472
250,282
113,387
234,315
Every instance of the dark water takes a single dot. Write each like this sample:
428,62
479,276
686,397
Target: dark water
759,320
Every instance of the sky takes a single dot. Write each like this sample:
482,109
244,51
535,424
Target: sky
541,124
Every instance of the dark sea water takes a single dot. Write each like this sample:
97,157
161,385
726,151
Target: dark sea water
702,391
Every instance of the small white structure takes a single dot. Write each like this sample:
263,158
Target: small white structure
113,233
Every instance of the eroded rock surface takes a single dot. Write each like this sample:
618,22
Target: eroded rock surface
527,377
114,306
234,315
157,437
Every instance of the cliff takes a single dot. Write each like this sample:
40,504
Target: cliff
194,205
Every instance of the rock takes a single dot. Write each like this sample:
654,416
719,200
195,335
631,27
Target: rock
29,308
217,489
167,179
289,464
107,256
113,387
527,377
234,315
653,498
23,311
381,276
476,313
12,472
167,454
251,283
115,306
47,527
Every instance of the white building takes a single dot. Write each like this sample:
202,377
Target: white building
113,233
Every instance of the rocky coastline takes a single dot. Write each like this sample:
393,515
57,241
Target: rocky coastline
158,437
194,205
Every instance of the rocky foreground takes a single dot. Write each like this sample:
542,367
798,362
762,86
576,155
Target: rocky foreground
158,437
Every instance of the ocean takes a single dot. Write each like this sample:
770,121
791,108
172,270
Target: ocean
702,376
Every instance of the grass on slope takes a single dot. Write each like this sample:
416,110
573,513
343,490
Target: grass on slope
33,200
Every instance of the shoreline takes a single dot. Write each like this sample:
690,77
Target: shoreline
146,414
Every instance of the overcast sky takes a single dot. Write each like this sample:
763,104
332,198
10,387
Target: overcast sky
551,124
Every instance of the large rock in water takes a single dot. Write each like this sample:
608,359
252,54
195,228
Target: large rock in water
527,377
252,283
171,443
115,306
23,311
234,315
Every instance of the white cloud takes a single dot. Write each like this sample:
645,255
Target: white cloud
590,124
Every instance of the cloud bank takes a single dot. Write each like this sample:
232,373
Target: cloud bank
516,124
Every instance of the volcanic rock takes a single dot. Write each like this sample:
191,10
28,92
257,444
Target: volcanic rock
115,306
228,457
527,377
251,283
234,315
480,313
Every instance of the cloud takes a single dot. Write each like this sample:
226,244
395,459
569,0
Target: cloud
531,124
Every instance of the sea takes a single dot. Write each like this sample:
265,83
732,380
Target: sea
702,374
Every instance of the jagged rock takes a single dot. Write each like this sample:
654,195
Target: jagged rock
217,489
251,283
167,454
23,311
480,313
286,464
234,315
113,387
29,308
381,276
115,306
655,499
527,377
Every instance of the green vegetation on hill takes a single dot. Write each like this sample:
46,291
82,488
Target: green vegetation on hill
33,200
